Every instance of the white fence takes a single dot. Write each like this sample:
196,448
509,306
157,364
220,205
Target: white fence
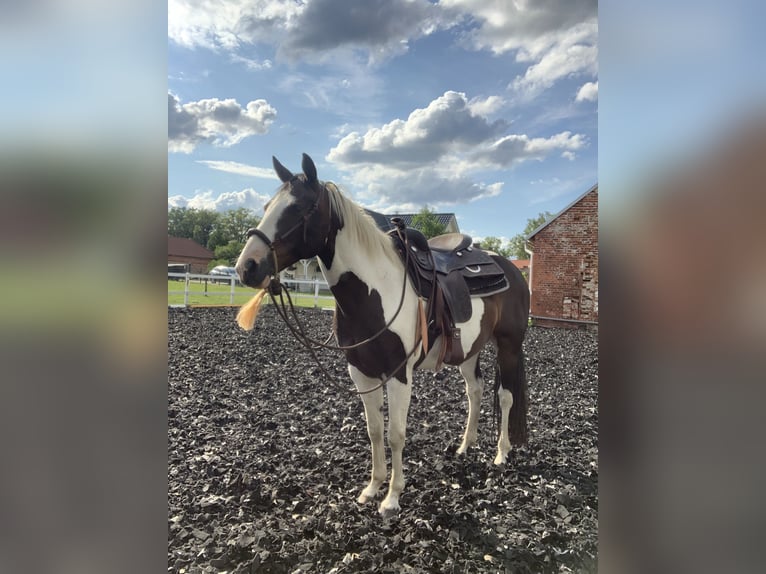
303,287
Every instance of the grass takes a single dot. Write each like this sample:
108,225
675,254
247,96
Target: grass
214,294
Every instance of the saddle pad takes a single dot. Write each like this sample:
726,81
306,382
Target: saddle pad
461,285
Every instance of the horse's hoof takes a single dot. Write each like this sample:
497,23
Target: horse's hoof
388,509
500,459
364,498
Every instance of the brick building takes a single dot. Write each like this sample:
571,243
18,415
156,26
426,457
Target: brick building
564,265
182,250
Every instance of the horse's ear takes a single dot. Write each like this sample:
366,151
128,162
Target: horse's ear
309,169
283,173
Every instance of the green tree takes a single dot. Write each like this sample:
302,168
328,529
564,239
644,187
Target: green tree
495,244
191,223
232,225
517,242
211,228
229,252
427,223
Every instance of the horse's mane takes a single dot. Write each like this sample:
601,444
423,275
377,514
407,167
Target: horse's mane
362,228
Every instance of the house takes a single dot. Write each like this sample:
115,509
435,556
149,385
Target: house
564,265
182,250
448,220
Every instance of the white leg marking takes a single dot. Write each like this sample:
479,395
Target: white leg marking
474,387
504,444
399,393
373,413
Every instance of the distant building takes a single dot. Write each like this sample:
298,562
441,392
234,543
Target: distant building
564,265
448,220
188,251
522,265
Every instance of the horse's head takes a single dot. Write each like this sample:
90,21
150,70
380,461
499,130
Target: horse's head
294,226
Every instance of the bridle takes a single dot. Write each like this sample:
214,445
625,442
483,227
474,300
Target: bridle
304,221
298,330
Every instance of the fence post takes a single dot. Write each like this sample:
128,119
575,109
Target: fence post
316,292
232,280
186,290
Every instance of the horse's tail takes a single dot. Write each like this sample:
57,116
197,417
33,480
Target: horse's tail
517,418
517,422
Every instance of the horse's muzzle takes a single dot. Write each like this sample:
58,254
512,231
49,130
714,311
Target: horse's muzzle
256,275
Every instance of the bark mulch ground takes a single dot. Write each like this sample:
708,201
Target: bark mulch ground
266,459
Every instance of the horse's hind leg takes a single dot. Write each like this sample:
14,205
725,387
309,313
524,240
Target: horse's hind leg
512,397
373,412
474,387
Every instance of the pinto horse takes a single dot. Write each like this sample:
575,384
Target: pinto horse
376,300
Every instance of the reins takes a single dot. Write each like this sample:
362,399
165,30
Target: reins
298,330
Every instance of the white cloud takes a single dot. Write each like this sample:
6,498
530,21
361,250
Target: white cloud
229,24
251,64
434,155
588,92
409,191
240,168
220,122
314,29
447,124
486,106
530,27
556,37
514,149
573,53
248,198
380,28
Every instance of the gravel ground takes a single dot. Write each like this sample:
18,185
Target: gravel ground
266,459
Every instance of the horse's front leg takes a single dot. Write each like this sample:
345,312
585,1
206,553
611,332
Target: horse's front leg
474,388
399,393
373,412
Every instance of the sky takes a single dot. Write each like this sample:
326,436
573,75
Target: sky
484,108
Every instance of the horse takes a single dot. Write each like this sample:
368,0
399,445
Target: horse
377,306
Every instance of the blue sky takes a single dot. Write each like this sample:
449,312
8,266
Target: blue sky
487,109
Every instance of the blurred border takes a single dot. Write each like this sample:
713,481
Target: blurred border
83,192
682,169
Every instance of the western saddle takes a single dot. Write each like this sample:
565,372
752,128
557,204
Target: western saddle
447,271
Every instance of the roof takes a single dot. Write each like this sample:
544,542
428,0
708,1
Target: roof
555,217
182,247
382,221
520,263
444,218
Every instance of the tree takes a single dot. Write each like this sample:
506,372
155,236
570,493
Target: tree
191,223
496,244
232,225
229,252
517,242
427,223
211,228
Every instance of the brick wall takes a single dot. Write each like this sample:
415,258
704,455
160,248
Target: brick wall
565,264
